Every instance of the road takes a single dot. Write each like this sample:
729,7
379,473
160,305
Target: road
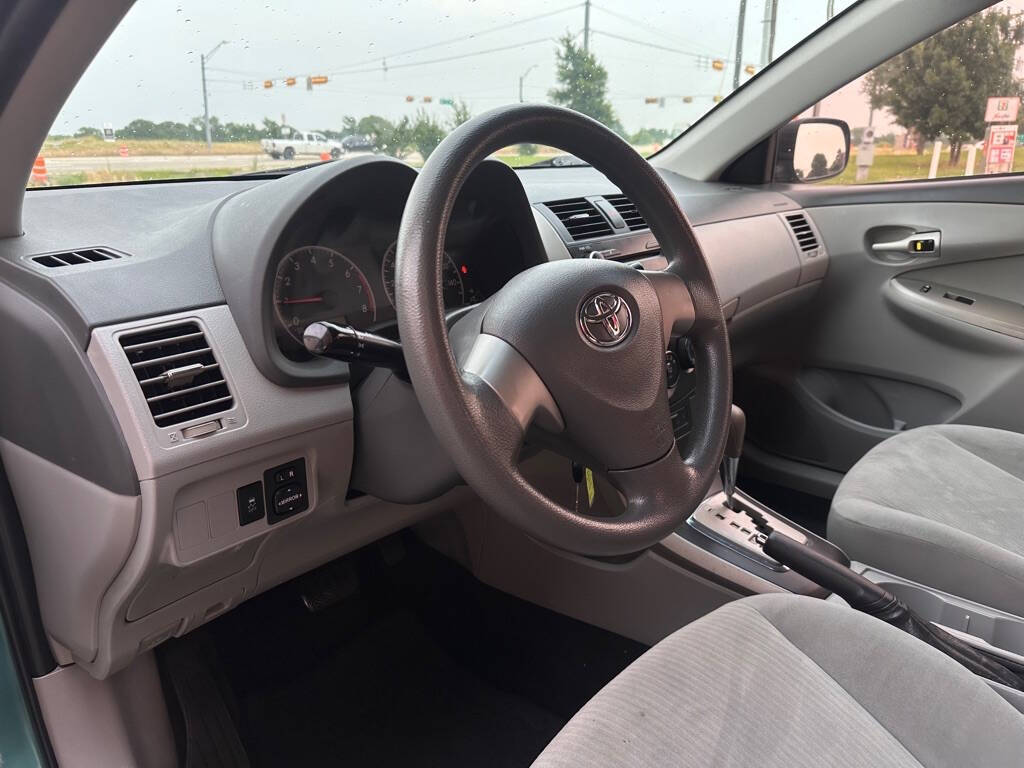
116,164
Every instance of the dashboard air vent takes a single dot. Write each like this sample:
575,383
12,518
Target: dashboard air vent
72,258
802,231
580,218
179,375
627,211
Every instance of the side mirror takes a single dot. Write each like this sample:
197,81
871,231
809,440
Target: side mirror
811,150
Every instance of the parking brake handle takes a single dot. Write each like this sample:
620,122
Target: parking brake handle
866,596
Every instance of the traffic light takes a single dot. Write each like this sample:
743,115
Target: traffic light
716,98
687,99
318,80
749,69
289,81
718,64
650,100
428,99
448,102
410,99
268,83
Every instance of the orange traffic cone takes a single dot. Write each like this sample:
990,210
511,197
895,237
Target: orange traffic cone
325,156
39,175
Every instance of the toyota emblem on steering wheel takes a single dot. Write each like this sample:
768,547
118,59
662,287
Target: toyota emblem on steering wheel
605,319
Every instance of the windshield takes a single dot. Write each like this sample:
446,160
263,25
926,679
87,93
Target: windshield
201,89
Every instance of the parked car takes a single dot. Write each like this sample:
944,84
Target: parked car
298,142
357,143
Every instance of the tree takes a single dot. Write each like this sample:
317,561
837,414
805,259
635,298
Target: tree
940,86
819,166
583,84
85,130
650,136
460,114
427,133
271,128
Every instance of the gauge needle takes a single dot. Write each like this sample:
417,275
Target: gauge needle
306,300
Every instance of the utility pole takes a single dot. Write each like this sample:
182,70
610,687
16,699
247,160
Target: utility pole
523,77
206,101
739,44
771,10
586,26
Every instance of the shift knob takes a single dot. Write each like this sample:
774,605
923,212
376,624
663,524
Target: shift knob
737,429
733,449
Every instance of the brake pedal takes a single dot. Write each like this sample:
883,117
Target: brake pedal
328,586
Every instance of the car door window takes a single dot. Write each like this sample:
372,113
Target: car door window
947,107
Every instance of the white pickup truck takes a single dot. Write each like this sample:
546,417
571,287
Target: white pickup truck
295,142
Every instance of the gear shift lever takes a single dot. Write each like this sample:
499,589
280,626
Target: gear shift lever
733,449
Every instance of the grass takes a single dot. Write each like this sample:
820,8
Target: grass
93,146
903,167
111,177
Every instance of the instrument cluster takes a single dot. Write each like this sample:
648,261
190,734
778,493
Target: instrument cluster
343,271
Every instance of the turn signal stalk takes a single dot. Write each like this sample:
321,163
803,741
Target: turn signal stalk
345,343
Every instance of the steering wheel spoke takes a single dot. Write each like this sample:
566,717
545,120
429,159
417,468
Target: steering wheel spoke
677,312
496,363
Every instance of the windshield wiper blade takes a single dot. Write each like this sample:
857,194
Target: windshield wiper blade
275,171
559,161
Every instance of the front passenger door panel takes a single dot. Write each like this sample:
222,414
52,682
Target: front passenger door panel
898,338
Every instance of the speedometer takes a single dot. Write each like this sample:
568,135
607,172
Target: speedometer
452,287
317,283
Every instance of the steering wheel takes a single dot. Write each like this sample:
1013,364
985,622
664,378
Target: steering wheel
575,347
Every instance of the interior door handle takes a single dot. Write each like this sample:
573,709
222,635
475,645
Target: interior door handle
919,242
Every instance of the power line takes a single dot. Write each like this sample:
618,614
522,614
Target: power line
460,39
440,60
638,23
649,44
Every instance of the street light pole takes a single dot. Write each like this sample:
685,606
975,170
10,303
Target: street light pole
523,77
206,101
586,26
741,22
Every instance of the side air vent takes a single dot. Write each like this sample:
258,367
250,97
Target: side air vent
627,211
179,375
72,258
802,231
580,218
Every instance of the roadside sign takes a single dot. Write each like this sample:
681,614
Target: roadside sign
1002,109
999,148
108,132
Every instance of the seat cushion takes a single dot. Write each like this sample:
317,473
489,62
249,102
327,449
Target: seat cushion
788,681
943,506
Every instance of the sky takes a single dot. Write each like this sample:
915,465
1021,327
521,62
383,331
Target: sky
150,67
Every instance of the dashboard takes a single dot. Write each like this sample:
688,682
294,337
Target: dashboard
219,458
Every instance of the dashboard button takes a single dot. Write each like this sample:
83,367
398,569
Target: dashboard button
250,503
286,475
289,500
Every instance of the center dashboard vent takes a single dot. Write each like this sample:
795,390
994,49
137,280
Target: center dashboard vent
75,258
802,231
629,213
580,218
179,375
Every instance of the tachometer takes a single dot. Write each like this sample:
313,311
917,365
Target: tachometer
317,283
452,287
